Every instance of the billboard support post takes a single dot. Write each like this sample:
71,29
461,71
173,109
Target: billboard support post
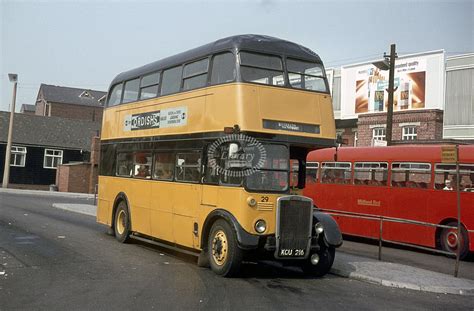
391,90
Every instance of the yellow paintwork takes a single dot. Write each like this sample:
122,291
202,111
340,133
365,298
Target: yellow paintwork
168,210
213,108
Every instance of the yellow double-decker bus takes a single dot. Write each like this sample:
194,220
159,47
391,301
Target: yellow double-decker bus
205,152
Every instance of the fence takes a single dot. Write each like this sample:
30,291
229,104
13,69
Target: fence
381,219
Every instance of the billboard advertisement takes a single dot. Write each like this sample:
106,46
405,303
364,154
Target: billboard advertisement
419,84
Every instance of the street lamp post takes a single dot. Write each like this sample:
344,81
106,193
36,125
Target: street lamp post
389,64
6,171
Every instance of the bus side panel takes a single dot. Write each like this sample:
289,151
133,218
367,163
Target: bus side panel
161,210
186,200
411,204
330,197
138,194
370,200
104,202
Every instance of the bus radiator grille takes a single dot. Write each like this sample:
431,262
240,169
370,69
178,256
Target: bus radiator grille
295,220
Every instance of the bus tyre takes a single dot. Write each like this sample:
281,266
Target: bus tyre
449,240
225,256
122,223
326,259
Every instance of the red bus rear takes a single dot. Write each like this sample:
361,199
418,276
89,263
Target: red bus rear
408,182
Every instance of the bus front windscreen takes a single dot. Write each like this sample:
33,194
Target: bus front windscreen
273,174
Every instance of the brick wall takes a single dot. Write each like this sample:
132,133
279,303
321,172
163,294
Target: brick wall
430,125
77,112
73,177
348,136
39,110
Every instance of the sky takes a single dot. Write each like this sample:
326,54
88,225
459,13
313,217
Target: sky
85,43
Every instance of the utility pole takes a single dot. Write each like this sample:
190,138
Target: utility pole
6,171
391,90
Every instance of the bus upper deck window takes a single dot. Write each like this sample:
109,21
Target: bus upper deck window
115,95
306,75
149,85
171,80
130,92
260,68
195,74
223,68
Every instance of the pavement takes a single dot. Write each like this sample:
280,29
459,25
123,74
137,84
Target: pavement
345,265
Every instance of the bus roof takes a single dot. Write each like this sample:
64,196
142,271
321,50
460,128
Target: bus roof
411,153
249,42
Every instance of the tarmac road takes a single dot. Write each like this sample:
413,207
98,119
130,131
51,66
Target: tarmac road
55,259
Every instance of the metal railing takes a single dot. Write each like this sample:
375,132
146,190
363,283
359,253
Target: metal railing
383,219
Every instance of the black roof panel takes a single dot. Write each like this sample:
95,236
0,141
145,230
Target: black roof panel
247,42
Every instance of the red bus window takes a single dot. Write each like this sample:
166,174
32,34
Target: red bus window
336,173
311,172
411,175
445,177
370,173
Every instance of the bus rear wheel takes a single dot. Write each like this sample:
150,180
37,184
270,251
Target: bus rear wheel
225,256
449,240
122,223
326,260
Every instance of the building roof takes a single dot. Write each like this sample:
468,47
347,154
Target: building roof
48,131
247,42
28,108
71,95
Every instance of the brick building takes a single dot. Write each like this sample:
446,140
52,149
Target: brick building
447,112
41,144
71,103
28,109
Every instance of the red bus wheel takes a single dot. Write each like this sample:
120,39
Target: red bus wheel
449,240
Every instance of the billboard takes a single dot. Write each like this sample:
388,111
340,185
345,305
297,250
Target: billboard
419,84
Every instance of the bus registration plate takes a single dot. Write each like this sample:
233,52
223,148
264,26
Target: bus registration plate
291,252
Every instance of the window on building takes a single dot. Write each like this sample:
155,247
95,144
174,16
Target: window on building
149,85
356,138
259,68
171,80
188,166
379,133
195,74
130,93
409,133
52,158
115,95
18,156
223,68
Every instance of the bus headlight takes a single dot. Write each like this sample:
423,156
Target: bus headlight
260,226
251,201
318,228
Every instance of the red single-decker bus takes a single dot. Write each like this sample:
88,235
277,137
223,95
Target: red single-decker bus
408,182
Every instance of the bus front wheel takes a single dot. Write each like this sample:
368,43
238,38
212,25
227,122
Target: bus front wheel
225,256
449,240
122,223
326,259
